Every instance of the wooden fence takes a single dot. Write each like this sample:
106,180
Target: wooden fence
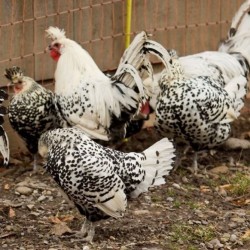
187,25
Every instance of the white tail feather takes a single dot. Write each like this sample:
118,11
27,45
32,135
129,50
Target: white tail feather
241,20
158,50
239,34
135,75
236,89
158,163
134,56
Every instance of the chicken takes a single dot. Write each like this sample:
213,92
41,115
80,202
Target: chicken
228,68
99,179
32,109
4,141
98,104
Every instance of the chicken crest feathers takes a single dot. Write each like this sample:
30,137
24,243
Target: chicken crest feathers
13,74
55,33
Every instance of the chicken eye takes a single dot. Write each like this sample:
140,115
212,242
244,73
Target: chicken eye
56,45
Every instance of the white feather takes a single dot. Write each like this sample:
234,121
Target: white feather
202,64
237,90
241,20
158,163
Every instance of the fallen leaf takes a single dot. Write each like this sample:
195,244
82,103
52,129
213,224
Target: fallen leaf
140,212
67,218
205,189
55,220
6,187
241,202
12,213
219,170
247,201
226,186
60,229
246,235
59,219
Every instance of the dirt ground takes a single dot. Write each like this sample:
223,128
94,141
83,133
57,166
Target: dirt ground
208,211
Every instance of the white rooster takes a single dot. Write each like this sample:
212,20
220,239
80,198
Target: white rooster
92,101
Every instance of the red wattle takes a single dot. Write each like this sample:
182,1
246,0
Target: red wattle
17,89
145,109
55,55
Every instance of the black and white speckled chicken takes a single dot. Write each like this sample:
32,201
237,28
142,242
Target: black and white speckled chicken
32,109
4,141
98,179
96,103
198,110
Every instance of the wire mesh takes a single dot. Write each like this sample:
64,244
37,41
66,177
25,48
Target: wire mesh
189,26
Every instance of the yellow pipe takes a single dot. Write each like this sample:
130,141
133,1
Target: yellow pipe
128,22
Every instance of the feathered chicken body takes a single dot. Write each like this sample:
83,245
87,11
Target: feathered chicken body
32,108
98,179
198,109
91,100
4,141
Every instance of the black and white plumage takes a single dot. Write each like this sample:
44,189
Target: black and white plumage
99,179
198,110
4,141
96,103
32,109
